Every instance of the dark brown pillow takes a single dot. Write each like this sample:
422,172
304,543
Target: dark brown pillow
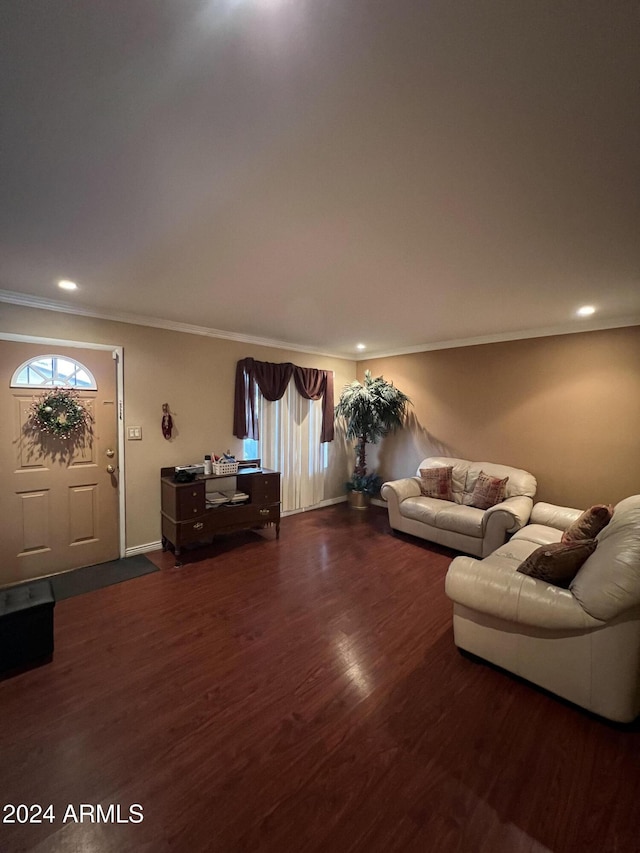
437,482
589,524
487,492
557,563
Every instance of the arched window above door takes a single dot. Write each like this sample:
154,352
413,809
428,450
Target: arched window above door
49,371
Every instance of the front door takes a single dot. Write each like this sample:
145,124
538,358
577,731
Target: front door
58,497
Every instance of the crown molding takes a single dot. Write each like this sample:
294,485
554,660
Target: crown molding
503,337
579,325
29,301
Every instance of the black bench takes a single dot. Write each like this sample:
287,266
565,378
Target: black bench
26,625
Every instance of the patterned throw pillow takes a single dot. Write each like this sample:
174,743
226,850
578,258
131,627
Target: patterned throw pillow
557,563
589,524
437,483
487,492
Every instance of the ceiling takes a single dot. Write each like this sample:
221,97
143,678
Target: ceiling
406,174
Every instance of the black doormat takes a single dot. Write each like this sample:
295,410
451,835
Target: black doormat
77,581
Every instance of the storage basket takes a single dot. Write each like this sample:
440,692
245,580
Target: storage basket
225,467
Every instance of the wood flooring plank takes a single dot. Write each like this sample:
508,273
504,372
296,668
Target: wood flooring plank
302,694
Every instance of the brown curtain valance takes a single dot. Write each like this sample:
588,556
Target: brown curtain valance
272,380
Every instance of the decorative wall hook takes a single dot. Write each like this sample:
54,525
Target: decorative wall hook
167,421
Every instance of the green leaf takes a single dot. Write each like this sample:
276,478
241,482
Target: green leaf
370,410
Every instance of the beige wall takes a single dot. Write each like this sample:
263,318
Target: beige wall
195,375
566,408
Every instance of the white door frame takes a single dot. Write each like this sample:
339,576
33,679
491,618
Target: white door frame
118,353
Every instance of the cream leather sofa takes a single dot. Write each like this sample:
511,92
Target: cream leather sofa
581,643
451,523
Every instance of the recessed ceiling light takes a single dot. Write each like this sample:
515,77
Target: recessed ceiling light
67,285
361,346
586,311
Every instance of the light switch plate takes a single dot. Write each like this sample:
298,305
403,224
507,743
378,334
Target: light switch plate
134,433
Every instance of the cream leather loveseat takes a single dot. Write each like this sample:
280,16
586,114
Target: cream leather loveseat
452,523
581,643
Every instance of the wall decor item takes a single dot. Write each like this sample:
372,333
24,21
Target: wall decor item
167,421
60,413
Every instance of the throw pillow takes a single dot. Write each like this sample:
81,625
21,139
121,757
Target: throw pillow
437,483
557,563
589,524
487,492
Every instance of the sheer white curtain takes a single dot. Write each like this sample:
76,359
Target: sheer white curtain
290,431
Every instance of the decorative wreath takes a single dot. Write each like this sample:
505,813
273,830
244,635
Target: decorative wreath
60,412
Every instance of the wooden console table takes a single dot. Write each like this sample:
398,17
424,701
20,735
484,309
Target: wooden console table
187,520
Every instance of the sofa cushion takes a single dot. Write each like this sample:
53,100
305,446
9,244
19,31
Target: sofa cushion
589,524
487,491
422,509
558,563
437,482
520,482
551,515
445,515
461,519
538,533
513,552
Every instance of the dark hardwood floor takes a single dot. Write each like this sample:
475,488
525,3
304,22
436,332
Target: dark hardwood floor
301,695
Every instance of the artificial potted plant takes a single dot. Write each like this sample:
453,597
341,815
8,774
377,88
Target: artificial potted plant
370,410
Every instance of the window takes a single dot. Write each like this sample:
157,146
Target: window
251,448
51,371
290,430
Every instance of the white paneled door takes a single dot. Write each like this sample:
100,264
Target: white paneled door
58,497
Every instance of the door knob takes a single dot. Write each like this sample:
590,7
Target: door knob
110,469
110,453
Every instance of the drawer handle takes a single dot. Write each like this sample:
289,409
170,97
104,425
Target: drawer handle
194,494
264,512
198,525
196,511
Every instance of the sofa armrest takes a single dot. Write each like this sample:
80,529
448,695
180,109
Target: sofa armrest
504,518
517,511
400,490
500,591
550,515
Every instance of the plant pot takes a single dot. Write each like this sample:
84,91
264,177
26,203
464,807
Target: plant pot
358,500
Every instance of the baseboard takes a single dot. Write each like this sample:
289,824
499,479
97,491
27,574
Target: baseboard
143,549
328,502
378,502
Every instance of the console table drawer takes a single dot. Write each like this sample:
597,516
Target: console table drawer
266,513
190,501
183,501
264,488
247,514
193,531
